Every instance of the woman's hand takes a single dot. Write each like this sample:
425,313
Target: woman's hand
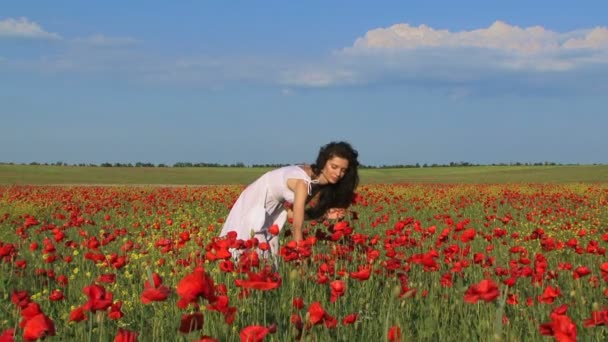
335,213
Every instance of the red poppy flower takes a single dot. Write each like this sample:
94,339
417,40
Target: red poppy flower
191,322
394,334
427,260
115,312
218,254
248,260
559,310
274,230
296,320
99,299
330,321
350,319
341,226
484,290
446,280
322,278
154,292
549,295
109,278
38,327
264,280
263,246
93,243
194,285
77,315
597,318
56,295
468,235
338,287
227,266
31,310
8,335
124,335
315,313
580,272
221,289
362,274
118,262
298,303
337,236
206,339
296,251
222,305
62,280
253,333
561,327
20,298
184,236
512,299
604,270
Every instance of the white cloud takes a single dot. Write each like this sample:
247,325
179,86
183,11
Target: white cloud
593,39
425,56
498,36
24,28
100,40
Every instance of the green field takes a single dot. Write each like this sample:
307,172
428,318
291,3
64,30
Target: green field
39,174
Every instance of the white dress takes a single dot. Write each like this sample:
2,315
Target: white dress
261,205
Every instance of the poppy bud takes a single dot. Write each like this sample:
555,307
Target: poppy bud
294,275
396,291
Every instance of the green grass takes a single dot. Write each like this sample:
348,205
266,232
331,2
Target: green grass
38,174
490,174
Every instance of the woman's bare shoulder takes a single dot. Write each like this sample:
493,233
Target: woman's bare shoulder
293,183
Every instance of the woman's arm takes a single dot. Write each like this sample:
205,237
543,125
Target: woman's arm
300,190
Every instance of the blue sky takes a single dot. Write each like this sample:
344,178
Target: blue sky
270,81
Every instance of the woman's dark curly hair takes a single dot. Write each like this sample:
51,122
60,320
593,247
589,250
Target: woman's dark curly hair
340,194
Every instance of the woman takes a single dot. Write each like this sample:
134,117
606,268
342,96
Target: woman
332,179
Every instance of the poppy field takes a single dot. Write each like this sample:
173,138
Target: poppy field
410,262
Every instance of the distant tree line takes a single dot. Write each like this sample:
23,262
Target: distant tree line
243,165
462,164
